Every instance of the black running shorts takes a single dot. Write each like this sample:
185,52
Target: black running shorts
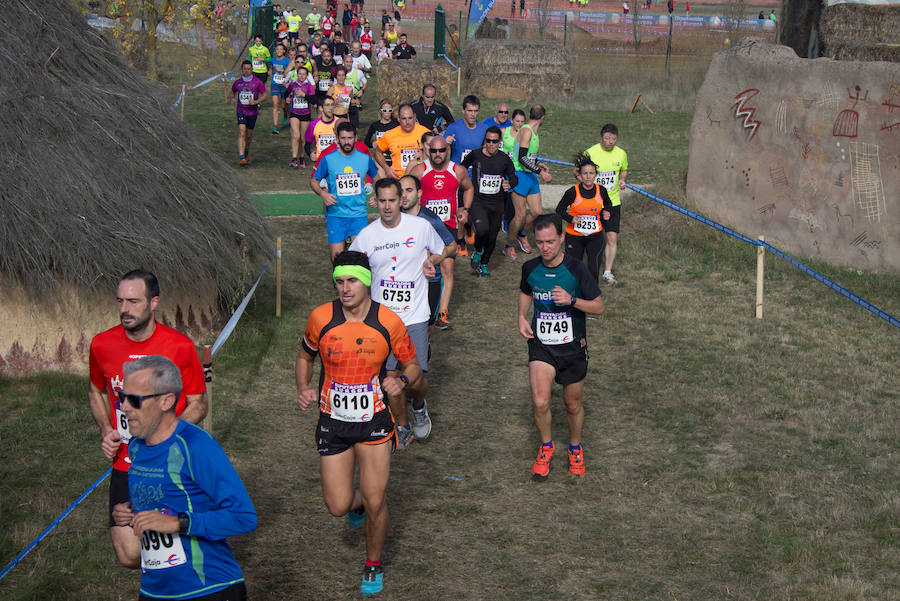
570,368
334,436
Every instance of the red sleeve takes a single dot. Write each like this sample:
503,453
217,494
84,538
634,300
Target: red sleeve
96,372
192,378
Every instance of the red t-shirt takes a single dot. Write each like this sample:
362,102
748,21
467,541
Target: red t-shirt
112,348
439,190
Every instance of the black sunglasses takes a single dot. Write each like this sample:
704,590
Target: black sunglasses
504,112
444,149
492,140
136,400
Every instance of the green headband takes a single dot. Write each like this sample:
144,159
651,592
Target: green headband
355,271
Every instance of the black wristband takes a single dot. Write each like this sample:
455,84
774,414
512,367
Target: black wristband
184,522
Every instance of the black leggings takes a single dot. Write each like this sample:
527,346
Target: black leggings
486,221
593,245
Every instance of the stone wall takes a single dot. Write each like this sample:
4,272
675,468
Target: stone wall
805,152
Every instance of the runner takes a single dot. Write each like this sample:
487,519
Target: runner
493,174
509,143
441,180
321,131
391,37
360,60
411,205
280,63
465,135
402,142
501,117
385,123
300,92
403,251
612,172
561,291
341,92
259,58
345,198
248,93
355,426
325,71
186,496
527,168
312,21
294,20
138,333
584,208
366,40
357,80
339,47
430,112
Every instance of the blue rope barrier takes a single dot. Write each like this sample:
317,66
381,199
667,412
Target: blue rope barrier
201,84
220,340
54,524
448,60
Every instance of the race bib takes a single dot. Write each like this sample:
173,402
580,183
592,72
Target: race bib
245,97
464,153
324,141
441,208
490,184
259,63
348,184
366,46
299,102
324,85
407,155
397,296
343,100
122,426
352,402
554,328
607,179
160,551
378,135
278,78
588,225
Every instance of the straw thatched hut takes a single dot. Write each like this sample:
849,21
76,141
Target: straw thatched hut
99,176
401,81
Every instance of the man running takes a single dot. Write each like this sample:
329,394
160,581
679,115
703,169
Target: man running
355,425
186,497
527,194
430,112
248,93
321,134
442,179
411,190
465,135
403,251
612,172
500,118
402,142
138,334
345,196
260,57
561,291
493,174
312,21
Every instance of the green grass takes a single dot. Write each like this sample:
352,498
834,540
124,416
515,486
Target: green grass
728,457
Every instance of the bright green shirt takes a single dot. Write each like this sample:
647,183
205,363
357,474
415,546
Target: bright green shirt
609,165
259,56
532,149
293,22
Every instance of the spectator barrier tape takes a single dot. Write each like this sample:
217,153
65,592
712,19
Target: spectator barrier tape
779,253
201,84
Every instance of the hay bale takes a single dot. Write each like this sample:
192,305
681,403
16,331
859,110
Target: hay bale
504,68
861,32
402,81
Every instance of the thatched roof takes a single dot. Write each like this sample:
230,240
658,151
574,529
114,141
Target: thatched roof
98,175
861,32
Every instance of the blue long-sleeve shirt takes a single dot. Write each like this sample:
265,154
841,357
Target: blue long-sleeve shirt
189,473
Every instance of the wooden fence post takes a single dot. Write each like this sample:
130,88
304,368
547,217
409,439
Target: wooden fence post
760,260
278,277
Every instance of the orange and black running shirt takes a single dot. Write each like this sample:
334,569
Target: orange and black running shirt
353,354
589,204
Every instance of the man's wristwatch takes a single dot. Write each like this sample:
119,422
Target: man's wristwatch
404,379
184,522
574,299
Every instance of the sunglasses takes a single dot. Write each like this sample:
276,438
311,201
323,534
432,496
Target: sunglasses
492,140
136,400
502,112
444,149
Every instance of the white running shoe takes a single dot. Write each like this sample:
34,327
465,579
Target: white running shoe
421,422
609,278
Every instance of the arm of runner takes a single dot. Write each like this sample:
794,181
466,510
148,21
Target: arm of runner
315,185
468,189
261,99
623,177
524,324
109,437
607,203
303,369
196,408
394,386
562,209
379,159
529,163
591,307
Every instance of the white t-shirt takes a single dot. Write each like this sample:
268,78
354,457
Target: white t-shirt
361,62
396,256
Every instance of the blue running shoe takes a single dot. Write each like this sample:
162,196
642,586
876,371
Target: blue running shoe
356,517
373,580
475,261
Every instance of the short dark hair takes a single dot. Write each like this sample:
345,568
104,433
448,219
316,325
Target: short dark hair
609,128
415,180
246,62
583,159
346,126
536,112
352,257
471,99
427,135
149,280
547,220
516,113
407,105
493,130
388,182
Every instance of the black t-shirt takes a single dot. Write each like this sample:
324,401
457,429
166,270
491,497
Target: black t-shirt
429,116
340,49
379,128
487,175
404,52
326,73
